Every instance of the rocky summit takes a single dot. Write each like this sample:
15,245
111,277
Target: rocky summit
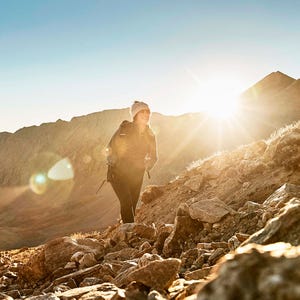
228,228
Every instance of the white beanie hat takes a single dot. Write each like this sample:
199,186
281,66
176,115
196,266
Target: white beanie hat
137,106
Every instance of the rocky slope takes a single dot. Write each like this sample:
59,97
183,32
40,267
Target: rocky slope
36,207
226,229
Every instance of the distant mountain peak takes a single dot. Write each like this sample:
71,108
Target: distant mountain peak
270,85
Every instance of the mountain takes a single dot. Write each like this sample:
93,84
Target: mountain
33,212
269,104
226,228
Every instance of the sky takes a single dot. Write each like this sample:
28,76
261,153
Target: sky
66,58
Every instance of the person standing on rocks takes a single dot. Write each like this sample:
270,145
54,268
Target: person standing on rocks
130,152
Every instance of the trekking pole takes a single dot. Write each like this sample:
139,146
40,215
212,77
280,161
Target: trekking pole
101,185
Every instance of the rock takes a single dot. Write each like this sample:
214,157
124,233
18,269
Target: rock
151,193
215,245
194,183
189,257
197,274
107,290
88,260
251,206
162,234
136,291
56,254
204,246
251,168
147,258
14,294
209,211
256,272
185,226
284,150
242,236
155,295
158,274
89,281
215,256
282,195
122,255
5,297
126,231
71,265
285,227
49,296
233,243
122,279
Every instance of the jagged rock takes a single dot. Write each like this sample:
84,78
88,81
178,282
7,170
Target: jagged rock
242,236
162,233
5,297
257,272
216,255
182,289
233,243
89,281
54,255
71,265
147,258
14,293
195,182
122,279
155,295
283,228
88,260
158,274
250,168
189,257
197,274
127,231
124,254
136,291
204,246
105,290
49,296
282,195
151,193
101,271
209,211
185,226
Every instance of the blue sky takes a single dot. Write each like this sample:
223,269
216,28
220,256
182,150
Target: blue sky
61,58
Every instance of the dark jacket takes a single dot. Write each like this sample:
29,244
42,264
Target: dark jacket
129,150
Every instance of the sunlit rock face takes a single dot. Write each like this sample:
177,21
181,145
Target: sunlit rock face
257,272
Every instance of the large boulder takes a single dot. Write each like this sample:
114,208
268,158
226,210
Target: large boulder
257,272
209,211
184,228
56,254
283,228
157,274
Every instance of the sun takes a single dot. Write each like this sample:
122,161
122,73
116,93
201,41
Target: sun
217,95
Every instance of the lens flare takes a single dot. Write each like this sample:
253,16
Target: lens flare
38,183
62,170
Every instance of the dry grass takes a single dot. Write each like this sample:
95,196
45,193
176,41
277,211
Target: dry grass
281,131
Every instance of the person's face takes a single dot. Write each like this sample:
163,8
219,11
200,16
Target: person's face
143,116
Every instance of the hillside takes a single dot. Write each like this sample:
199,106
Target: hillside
33,213
193,237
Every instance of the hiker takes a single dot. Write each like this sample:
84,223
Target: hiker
130,152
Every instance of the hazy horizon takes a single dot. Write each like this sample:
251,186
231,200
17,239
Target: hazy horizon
61,59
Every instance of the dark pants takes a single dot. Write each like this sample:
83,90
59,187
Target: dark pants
127,188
